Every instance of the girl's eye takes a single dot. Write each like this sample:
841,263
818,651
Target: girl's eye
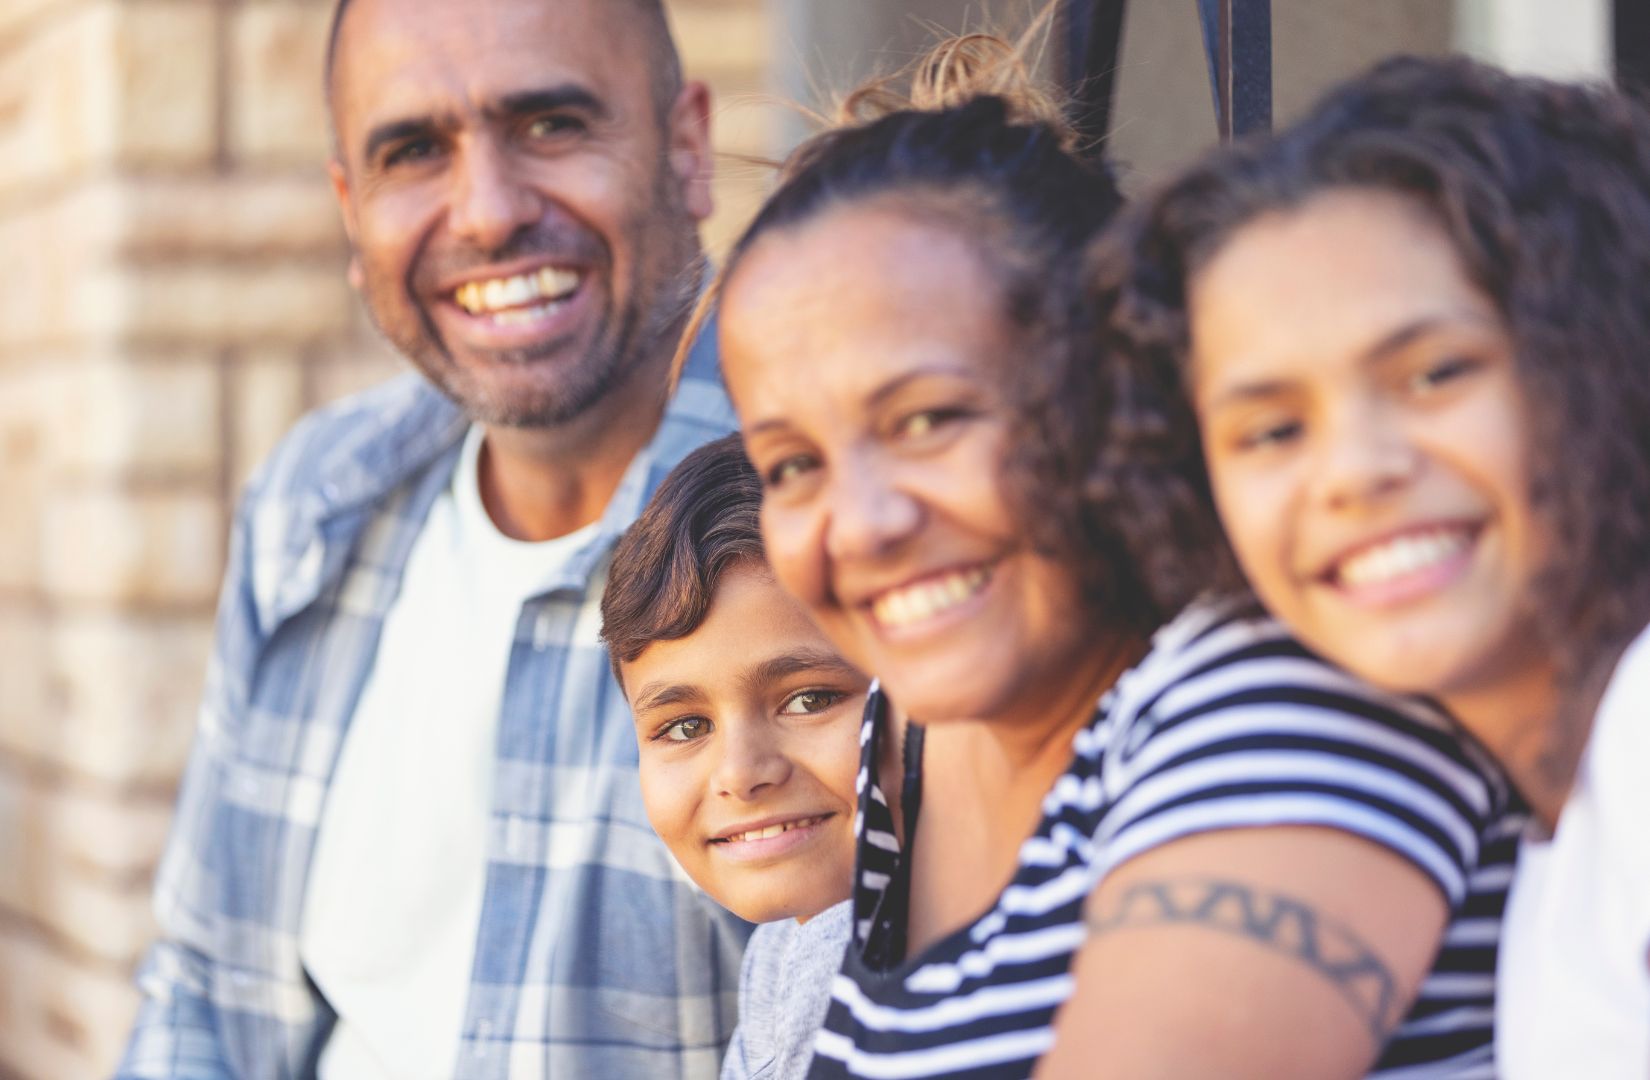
687,729
788,469
1437,375
1270,435
805,702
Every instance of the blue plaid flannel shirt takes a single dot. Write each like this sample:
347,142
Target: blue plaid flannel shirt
596,958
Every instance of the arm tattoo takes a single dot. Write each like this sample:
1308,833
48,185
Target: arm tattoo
1280,923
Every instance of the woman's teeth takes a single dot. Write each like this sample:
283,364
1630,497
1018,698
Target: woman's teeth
499,295
1402,556
773,830
926,599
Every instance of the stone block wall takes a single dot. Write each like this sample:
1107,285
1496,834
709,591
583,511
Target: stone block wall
172,297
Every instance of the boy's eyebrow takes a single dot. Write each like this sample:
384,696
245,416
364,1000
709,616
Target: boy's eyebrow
805,659
656,695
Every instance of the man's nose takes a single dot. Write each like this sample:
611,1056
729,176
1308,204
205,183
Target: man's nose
490,201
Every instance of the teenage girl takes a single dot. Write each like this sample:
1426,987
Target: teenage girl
1403,348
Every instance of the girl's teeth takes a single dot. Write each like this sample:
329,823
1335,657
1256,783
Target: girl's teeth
927,599
1402,556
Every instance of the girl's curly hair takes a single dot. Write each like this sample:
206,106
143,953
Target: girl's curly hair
1542,188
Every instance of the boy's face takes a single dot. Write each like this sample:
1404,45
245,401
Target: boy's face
749,735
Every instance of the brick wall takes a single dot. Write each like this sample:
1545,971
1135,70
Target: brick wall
171,298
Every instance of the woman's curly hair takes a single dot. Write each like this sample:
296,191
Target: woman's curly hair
1542,188
969,140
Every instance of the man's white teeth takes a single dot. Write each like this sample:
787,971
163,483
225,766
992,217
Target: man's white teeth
926,599
772,830
501,294
1402,556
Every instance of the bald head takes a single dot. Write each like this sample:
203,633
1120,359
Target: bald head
648,16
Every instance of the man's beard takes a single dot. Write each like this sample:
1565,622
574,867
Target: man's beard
662,284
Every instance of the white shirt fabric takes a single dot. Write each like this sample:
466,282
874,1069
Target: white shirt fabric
393,900
1573,990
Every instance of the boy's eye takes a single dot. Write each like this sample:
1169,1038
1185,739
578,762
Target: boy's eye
810,701
687,729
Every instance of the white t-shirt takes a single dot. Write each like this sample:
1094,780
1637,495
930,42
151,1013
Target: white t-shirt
393,901
1573,991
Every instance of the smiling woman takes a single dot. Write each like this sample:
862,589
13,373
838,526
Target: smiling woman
1087,825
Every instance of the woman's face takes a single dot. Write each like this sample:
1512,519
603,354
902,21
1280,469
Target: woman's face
1368,443
865,351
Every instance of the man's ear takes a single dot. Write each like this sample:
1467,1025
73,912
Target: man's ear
346,210
688,147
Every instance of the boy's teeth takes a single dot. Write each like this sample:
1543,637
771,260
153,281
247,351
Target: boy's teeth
499,294
773,830
926,599
1402,556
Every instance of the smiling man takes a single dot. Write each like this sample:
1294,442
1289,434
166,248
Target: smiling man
410,842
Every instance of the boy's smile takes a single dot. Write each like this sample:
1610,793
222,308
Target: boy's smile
748,729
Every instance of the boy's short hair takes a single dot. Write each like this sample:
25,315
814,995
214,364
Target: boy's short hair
702,522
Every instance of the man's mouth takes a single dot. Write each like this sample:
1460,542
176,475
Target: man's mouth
922,600
519,299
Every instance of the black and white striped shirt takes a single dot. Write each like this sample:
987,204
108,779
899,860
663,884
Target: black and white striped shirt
1227,722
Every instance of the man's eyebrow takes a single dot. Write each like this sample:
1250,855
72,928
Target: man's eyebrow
550,99
655,695
801,660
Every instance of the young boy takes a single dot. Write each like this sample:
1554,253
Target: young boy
748,727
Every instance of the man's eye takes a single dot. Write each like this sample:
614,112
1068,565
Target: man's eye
409,152
810,701
687,729
546,127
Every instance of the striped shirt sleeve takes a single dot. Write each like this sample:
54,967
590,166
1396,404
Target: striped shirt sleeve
1235,725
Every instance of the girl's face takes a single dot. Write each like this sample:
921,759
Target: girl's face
1367,442
865,351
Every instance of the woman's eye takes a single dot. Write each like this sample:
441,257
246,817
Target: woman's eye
1437,375
788,469
810,701
687,729
918,424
